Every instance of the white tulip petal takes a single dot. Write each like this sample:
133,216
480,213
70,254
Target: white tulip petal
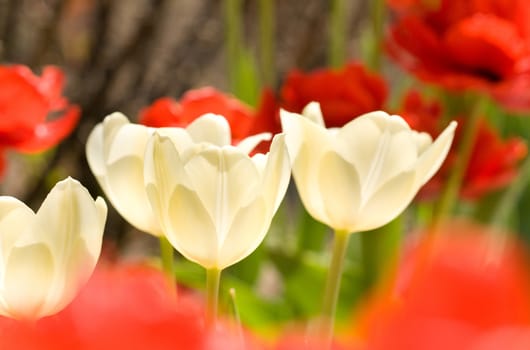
45,257
128,141
127,194
28,278
260,161
357,142
248,144
276,173
338,183
248,230
306,142
70,276
395,154
294,130
384,121
115,151
313,112
423,141
225,180
179,137
431,160
191,229
388,202
15,219
211,128
68,213
110,126
163,171
95,152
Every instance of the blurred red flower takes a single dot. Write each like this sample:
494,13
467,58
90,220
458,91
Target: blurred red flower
479,45
343,94
168,112
493,163
34,116
464,289
123,307
244,121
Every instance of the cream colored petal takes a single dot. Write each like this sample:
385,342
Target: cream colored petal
15,219
95,152
112,124
276,174
396,153
115,151
357,142
246,233
225,179
180,137
293,128
67,214
128,141
392,123
248,144
423,141
211,128
190,228
69,277
379,145
126,191
388,202
260,161
340,192
306,143
312,112
27,281
431,160
100,141
163,171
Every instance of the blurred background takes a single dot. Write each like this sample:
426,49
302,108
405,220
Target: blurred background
120,55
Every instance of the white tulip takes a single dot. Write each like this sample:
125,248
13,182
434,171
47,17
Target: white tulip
45,257
363,175
215,203
115,152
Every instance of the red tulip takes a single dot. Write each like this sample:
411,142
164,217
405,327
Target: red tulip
343,94
34,116
463,290
481,45
493,163
168,112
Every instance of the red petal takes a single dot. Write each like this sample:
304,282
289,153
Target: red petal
49,134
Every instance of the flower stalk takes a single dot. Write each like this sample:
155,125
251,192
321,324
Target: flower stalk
267,42
166,256
337,47
332,288
213,278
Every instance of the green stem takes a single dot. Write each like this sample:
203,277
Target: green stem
166,255
452,187
337,37
267,42
213,278
509,199
232,18
377,12
331,293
